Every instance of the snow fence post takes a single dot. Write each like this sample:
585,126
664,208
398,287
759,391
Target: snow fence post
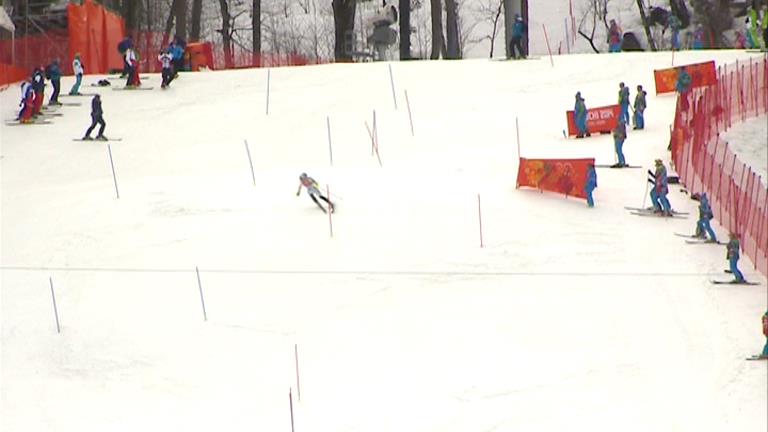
330,147
290,406
200,287
268,76
330,210
546,38
480,219
55,309
392,82
408,104
250,162
112,164
296,360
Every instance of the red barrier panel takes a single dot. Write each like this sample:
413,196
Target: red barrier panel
565,176
600,119
705,163
702,75
199,54
11,74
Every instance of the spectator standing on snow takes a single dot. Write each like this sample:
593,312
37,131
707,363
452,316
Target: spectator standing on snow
177,55
614,37
166,59
624,102
619,135
27,102
122,47
79,70
53,73
660,190
580,116
732,255
639,108
133,69
674,27
703,226
683,86
38,85
519,29
97,118
591,184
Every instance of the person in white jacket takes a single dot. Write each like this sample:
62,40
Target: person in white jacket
77,67
133,69
166,59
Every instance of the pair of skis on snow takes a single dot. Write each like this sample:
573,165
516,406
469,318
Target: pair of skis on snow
639,211
692,239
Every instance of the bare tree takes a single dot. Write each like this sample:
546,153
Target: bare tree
130,11
489,11
180,12
343,24
646,25
596,11
226,33
405,29
716,17
197,13
452,29
256,26
437,29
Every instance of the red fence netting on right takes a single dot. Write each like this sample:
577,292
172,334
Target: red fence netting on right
705,162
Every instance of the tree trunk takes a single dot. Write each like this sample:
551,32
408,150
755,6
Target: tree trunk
197,13
169,23
256,24
344,26
181,18
437,29
644,19
452,30
405,29
226,33
129,11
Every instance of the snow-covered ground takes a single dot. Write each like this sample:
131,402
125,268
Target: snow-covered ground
743,137
567,317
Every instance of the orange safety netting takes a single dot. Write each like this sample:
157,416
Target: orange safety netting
94,32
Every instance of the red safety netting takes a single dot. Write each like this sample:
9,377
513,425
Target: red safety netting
705,163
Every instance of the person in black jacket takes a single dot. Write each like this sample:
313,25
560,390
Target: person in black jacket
96,118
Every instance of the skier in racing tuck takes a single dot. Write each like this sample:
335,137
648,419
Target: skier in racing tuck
313,191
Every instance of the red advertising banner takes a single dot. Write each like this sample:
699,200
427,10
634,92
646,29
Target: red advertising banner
702,75
600,119
565,176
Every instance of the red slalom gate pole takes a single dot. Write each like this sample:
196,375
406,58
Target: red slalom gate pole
549,49
290,406
296,359
480,219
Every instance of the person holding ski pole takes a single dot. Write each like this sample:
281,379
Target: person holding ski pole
313,191
703,227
